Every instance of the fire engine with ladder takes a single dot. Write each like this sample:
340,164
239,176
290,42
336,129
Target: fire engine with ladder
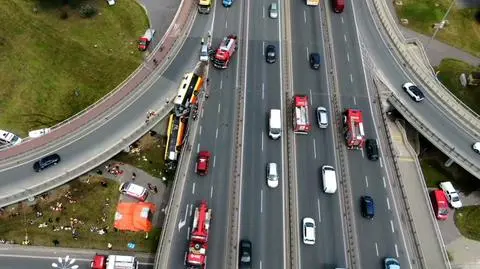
225,52
354,131
197,248
301,115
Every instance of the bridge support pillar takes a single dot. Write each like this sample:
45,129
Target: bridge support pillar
448,162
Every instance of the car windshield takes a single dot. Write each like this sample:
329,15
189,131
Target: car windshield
309,225
455,199
443,212
245,257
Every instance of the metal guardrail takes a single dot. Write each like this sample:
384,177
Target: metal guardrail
433,137
425,196
112,151
292,226
445,98
353,257
397,174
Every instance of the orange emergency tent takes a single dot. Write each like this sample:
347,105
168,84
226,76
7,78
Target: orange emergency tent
134,216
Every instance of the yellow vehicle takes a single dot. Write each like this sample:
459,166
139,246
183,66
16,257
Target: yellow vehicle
204,6
313,2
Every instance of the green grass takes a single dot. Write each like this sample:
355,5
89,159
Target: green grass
433,161
467,220
449,73
149,157
89,209
44,59
462,32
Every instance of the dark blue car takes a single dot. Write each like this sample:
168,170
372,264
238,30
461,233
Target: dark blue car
368,207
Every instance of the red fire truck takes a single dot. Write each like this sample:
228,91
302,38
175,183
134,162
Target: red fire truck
197,248
353,126
301,115
225,51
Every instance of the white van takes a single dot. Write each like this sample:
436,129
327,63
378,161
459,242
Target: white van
451,194
275,124
7,138
329,179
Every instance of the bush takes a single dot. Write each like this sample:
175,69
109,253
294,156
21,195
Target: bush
64,15
87,11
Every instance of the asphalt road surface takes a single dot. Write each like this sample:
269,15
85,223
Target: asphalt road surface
215,134
262,215
317,148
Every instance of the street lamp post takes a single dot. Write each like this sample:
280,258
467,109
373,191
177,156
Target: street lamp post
442,23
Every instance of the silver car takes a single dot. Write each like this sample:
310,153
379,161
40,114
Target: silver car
273,11
322,117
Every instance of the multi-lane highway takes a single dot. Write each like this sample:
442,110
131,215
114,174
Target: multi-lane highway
317,148
214,134
262,208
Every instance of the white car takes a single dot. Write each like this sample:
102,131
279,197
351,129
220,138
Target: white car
272,175
308,231
322,117
415,93
133,190
8,138
273,10
39,132
111,2
476,147
451,194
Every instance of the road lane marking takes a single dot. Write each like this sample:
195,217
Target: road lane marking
384,183
214,158
200,131
226,24
355,100
351,78
366,181
342,19
396,250
348,57
310,90
261,201
201,113
304,16
263,47
181,223
211,191
260,264
188,232
263,91
381,163
319,212
262,140
376,248
216,134
185,259
388,203
363,155
198,147
307,53
263,12
221,84
391,225
193,188
314,149
191,210
218,109
345,38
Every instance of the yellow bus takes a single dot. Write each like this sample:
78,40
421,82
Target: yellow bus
204,6
187,92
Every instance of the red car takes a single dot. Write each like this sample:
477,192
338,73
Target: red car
202,163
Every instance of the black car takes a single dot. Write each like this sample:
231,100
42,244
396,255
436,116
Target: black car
368,207
314,60
46,162
245,254
372,149
270,54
